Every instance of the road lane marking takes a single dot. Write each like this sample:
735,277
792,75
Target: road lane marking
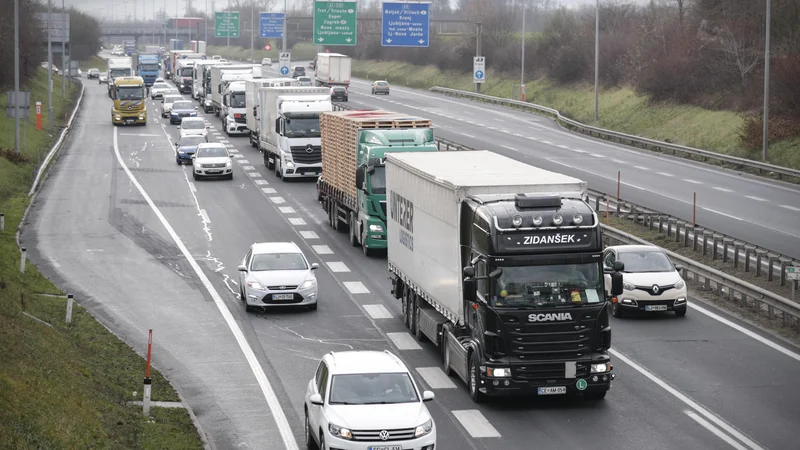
722,189
238,156
753,197
716,431
722,214
287,209
642,167
546,142
248,167
266,388
356,287
192,187
688,401
510,148
665,174
261,182
436,378
563,146
204,215
309,235
254,174
793,208
138,134
277,200
322,249
403,341
692,181
337,267
597,156
377,311
224,141
619,161
296,221
476,425
267,190
243,161
468,135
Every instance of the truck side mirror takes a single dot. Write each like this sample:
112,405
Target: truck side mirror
619,266
278,126
370,169
469,272
360,178
470,290
616,284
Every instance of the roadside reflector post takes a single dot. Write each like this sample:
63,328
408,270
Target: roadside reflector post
694,210
619,201
607,207
70,300
147,380
2,222
22,260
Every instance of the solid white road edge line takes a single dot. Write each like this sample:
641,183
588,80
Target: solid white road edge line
716,431
266,388
688,401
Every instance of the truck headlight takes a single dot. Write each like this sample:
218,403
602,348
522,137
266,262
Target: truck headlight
289,164
601,368
308,284
340,432
628,286
424,429
680,284
117,116
498,372
375,228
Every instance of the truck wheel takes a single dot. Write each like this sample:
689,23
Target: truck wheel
252,142
277,169
407,308
474,376
417,330
353,230
412,313
446,355
616,310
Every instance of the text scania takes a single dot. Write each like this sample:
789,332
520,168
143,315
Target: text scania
550,317
552,239
402,212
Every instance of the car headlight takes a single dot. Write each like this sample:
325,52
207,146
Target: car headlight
601,368
181,152
255,285
194,114
628,286
228,164
375,228
498,372
424,429
340,432
308,284
680,284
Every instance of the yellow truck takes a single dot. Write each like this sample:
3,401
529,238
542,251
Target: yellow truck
129,106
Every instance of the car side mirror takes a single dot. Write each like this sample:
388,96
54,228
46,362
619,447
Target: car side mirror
428,396
194,156
370,169
176,144
619,266
316,399
195,108
679,268
469,272
242,267
470,290
314,266
616,284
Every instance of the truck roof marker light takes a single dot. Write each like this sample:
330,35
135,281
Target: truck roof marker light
537,220
558,219
577,218
517,221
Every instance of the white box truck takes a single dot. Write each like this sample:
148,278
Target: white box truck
234,108
119,67
500,265
333,69
251,99
198,72
220,76
289,131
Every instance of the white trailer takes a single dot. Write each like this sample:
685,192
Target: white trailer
198,72
119,67
222,75
252,101
333,69
289,134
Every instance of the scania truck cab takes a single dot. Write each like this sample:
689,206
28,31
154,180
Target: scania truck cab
129,106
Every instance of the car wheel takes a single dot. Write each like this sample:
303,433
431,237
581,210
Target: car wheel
474,392
178,161
616,310
311,444
594,395
194,175
312,307
681,312
230,177
322,442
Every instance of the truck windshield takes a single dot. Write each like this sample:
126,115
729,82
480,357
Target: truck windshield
130,93
186,71
115,73
150,67
297,128
547,286
237,100
377,181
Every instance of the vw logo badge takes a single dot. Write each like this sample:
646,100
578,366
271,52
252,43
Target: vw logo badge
655,289
384,435
310,149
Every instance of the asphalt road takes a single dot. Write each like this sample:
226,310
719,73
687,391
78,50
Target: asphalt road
694,382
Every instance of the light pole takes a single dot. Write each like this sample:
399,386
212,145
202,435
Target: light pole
175,23
596,59
522,66
63,50
285,26
228,17
252,27
16,75
765,144
50,64
205,22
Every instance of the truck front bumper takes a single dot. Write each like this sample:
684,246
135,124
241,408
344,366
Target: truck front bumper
541,387
294,170
127,118
233,127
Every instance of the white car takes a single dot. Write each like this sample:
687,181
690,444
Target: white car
277,274
304,81
166,103
102,78
160,80
212,160
216,57
266,62
193,126
362,400
650,281
158,88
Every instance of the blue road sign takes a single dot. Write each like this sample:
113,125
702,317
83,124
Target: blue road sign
284,70
479,74
405,24
271,25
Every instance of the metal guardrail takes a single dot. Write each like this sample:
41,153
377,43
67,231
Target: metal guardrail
756,167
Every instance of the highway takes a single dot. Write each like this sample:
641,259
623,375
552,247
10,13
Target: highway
145,247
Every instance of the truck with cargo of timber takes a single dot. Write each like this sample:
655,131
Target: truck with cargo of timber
499,264
352,187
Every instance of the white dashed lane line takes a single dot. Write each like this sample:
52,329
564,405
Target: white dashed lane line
692,181
403,341
377,311
277,200
436,378
309,235
286,209
793,208
261,182
248,167
322,249
665,174
758,199
337,267
297,221
268,190
244,161
356,287
476,424
254,174
722,189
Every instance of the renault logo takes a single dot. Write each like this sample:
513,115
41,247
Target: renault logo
310,149
655,289
384,435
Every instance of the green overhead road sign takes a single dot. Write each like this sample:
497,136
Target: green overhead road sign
334,23
226,24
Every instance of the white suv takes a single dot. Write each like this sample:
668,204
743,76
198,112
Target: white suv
212,160
650,281
366,400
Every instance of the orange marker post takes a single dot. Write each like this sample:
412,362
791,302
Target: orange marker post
147,381
38,115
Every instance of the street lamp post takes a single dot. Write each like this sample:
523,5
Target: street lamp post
285,26
596,59
63,50
522,66
16,75
765,143
50,64
252,28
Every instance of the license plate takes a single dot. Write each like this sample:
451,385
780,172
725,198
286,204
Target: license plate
552,390
130,120
213,171
282,296
387,447
655,307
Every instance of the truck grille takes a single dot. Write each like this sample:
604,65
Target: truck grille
401,434
241,119
547,371
302,155
551,341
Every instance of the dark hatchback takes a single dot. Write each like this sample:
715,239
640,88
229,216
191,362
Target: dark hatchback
186,147
338,94
299,71
181,109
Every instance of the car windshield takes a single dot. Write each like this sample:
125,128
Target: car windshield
115,73
377,180
278,261
382,84
172,91
94,70
299,69
212,152
160,86
339,90
237,100
182,105
372,389
549,285
150,66
130,92
645,261
186,71
193,125
191,140
296,128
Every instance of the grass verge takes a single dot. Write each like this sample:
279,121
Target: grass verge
66,386
302,51
621,109
95,62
